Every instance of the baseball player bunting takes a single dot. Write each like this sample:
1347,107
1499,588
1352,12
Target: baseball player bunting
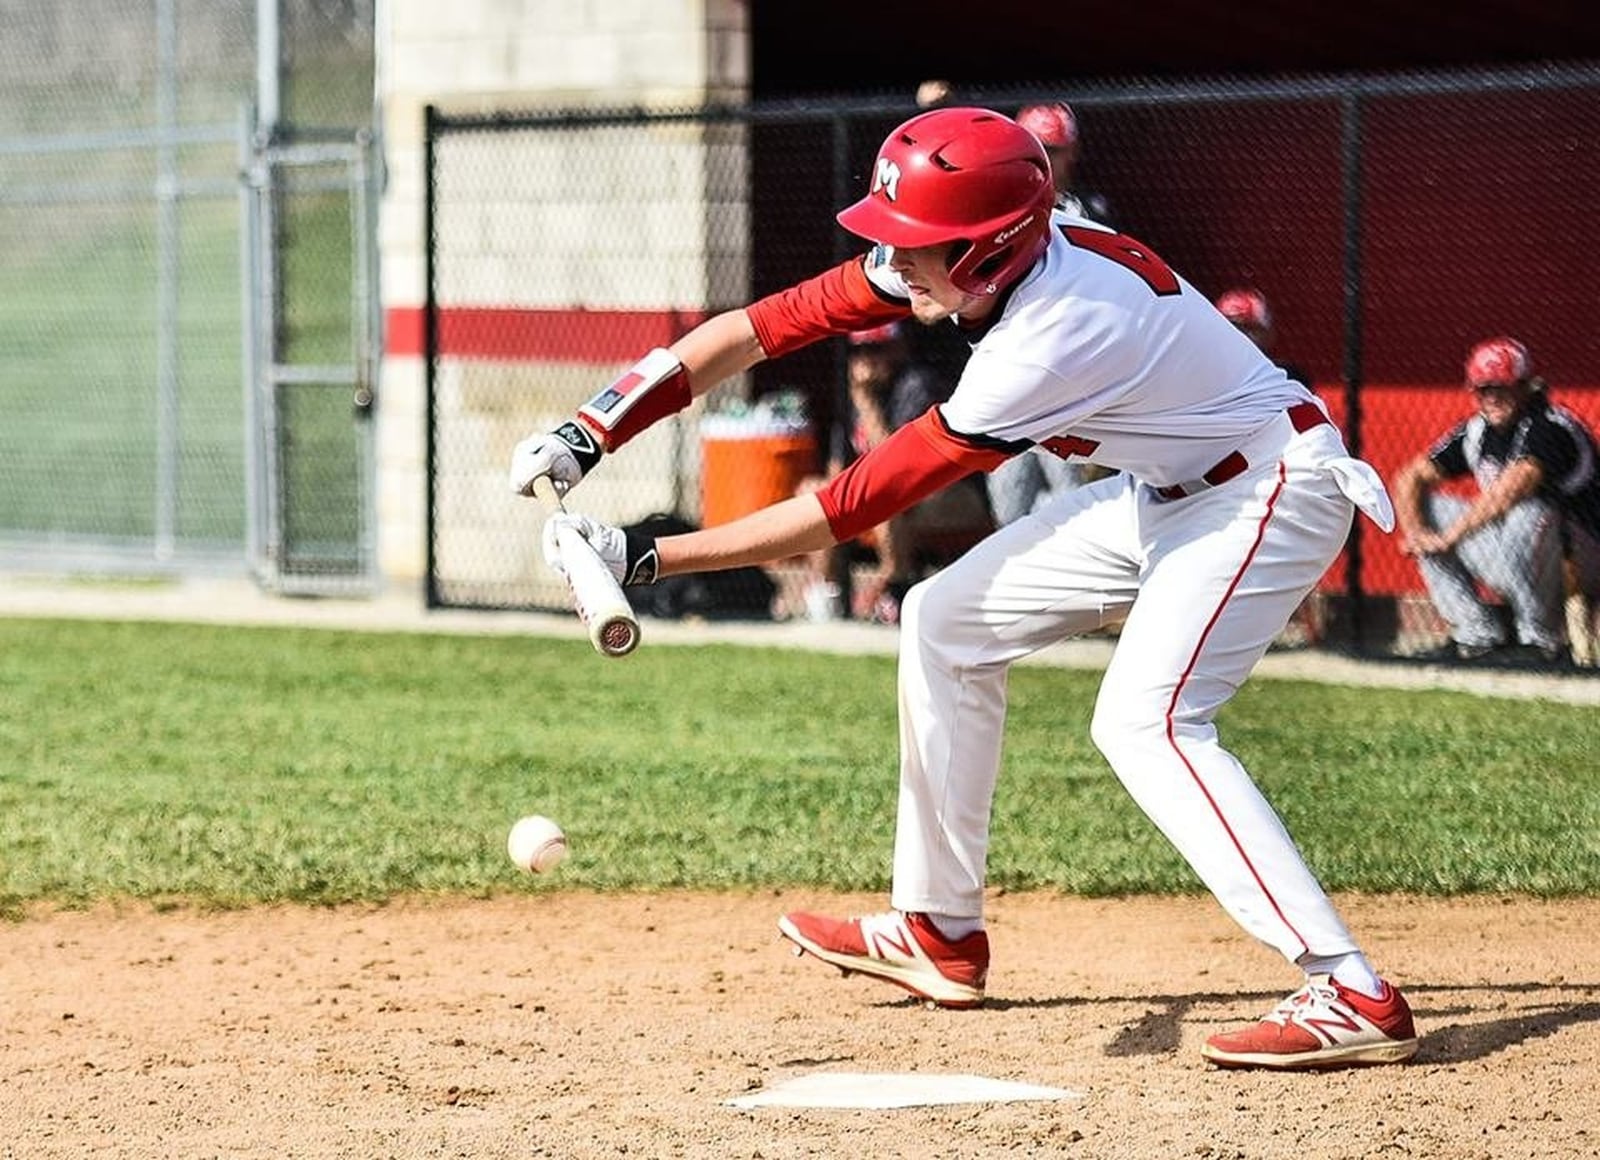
1232,493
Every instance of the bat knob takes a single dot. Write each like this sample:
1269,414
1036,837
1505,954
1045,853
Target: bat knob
617,637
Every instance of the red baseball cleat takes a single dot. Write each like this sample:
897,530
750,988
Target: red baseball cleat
1321,1025
904,949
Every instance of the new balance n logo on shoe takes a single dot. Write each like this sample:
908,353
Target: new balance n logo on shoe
886,939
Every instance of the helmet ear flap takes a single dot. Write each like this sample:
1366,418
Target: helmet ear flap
993,264
985,270
992,261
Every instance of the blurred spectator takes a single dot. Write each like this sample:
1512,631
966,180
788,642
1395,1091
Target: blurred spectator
887,390
1537,501
934,92
1247,309
1057,129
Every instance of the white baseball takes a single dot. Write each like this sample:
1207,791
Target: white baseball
536,844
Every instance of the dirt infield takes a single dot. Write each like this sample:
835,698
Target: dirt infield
565,1024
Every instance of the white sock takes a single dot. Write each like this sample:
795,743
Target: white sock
954,927
1350,970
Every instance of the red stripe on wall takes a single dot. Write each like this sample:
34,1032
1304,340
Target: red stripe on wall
513,334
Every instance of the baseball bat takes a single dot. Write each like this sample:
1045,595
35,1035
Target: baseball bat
596,596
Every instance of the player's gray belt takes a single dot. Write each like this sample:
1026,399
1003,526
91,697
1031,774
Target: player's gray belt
1302,416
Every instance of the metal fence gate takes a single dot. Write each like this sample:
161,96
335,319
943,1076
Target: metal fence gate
187,335
311,353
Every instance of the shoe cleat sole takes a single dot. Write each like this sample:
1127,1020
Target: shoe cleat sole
1366,1055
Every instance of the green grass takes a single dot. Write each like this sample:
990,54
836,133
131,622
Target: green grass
78,330
228,766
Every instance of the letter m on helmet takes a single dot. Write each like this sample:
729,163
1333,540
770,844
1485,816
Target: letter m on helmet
887,178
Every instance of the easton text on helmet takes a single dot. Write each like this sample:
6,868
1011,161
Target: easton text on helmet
1012,231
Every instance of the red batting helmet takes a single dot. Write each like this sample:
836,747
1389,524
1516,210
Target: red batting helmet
1053,124
1498,362
1246,309
963,175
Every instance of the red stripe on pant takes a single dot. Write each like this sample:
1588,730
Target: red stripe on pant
1194,659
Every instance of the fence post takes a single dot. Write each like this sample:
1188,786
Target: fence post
430,356
1350,158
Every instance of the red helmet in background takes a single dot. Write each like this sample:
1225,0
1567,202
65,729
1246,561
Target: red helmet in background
1498,362
1246,309
961,175
1054,124
875,335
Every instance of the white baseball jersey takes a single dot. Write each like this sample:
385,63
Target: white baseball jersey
1103,343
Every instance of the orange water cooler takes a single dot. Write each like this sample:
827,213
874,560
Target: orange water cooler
750,461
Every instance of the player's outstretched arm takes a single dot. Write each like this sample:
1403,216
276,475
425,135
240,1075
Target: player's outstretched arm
787,528
660,384
790,527
668,379
903,470
719,348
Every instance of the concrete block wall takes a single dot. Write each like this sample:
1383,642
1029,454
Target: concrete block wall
480,55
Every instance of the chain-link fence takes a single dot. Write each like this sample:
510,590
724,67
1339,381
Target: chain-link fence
121,397
128,355
1391,223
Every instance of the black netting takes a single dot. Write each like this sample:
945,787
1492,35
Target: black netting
1390,222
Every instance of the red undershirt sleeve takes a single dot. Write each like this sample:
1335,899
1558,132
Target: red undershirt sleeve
910,465
835,301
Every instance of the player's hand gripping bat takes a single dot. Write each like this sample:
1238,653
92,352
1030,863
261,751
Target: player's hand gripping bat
596,593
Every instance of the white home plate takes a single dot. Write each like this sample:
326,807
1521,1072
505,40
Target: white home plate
844,1089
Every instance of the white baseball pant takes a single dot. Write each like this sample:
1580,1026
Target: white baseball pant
1203,585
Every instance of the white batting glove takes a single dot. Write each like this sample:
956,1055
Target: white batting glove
563,456
630,557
